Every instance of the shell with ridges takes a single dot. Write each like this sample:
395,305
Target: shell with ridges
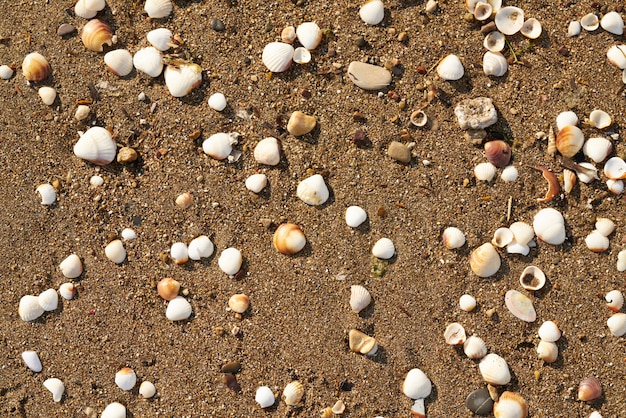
569,140
309,35
182,79
416,384
590,22
509,20
293,393
453,238
617,56
35,67
119,62
569,180
96,146
549,226
372,12
230,261
29,308
498,152
614,300
160,38
520,306
313,190
485,171
564,119
32,361
158,9
590,388
509,173
81,10
597,242
277,56
67,291
474,347
360,298
523,233
383,249
605,226
355,216
467,303
56,387
450,68
454,334
612,22
485,260
49,300
597,148
617,324
510,405
96,34
6,72
494,370
149,60
168,288
200,247
178,309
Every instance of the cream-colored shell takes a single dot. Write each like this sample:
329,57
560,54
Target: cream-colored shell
179,252
32,361
549,331
267,151
6,72
532,278
467,303
372,12
47,193
182,79
416,384
617,324
96,146
520,306
494,370
115,251
531,28
454,334
158,9
450,68
605,226
309,35
119,62
494,41
615,186
217,102
56,387
218,146
147,389
617,56
313,190
621,261
277,56
49,300
597,242
482,11
301,55
81,10
383,249
71,267
485,260
360,298
47,95
510,405
114,410
509,20
612,22
475,348
509,173
573,28
67,291
549,226
126,378
502,237
567,118
495,64
230,261
35,67
96,34
178,309
360,342
239,303
615,168
256,182
453,238
293,393
600,119
264,397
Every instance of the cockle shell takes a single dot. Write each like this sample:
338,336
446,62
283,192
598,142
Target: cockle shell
301,55
81,10
590,22
564,119
149,60
509,173
450,68
29,308
300,124
617,324
453,237
360,298
498,152
56,387
612,22
158,9
482,11
597,242
96,146
573,29
277,56
467,303
96,5
485,260
416,384
355,216
549,226
126,378
147,389
309,35
549,331
547,351
119,62
614,300
35,67
230,261
256,182
454,334
495,64
293,393
597,148
615,186
569,180
218,146
239,303
520,306
494,370
474,347
509,20
599,119
510,405
6,72
115,251
264,397
168,288
200,247
502,237
182,79
96,34
217,101
48,95
590,388
47,193
360,342
267,151
485,171
114,410
494,41
617,56
569,140
531,28
49,300
532,278
313,190
615,168
372,12
67,291
522,232
383,249
289,238
160,38
179,253
178,309
31,359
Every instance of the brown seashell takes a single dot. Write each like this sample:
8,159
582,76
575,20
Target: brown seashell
362,343
510,404
239,303
570,140
168,288
589,389
35,67
95,34
289,238
300,124
553,185
498,153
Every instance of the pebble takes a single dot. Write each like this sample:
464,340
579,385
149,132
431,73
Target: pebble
142,97
65,29
217,25
403,37
126,155
488,28
477,113
360,42
231,367
368,76
479,402
359,137
475,136
399,152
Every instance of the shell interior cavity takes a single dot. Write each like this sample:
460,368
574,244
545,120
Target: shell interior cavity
532,278
509,20
454,334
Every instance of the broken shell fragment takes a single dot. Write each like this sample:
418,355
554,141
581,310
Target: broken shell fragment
612,22
569,140
96,34
47,94
502,237
467,303
168,288
239,303
301,55
569,180
29,308
277,56
178,309
614,300
158,9
597,242
293,393
509,20
454,334
35,67
179,253
510,405
56,387
549,331
475,348
264,397
200,247
494,370
450,68
617,324
300,124
360,342
532,278
520,306
183,78
32,361
313,190
360,298
96,146
547,351
600,119
355,216
416,384
553,185
126,378
372,12
453,238
147,389
47,193
230,261
485,260
419,118
115,251
615,168
119,62
383,249
590,388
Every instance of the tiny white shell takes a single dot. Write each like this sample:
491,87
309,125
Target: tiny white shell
301,55
47,193
600,119
494,64
597,242
160,38
67,291
453,238
47,94
147,389
158,9
621,261
595,414
450,68
125,378
494,370
355,216
475,348
509,173
277,56
267,151
128,234
230,261
615,186
573,29
485,171
293,392
532,278
119,62
309,35
565,119
115,251
96,146
502,237
531,28
372,12
549,226
590,22
81,10
149,61
384,249
547,351
313,190
494,41
6,72
49,300
360,298
485,260
182,79
605,226
416,384
114,410
597,148
264,397
29,308
200,247
520,306
179,252
178,309
467,303
454,334
31,359
522,232
256,182
617,56
549,331
617,324
56,387
509,20
612,22
614,300
615,168
82,112
217,101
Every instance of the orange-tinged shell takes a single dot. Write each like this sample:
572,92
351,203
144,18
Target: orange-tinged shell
485,260
589,389
289,238
360,342
569,140
168,288
239,303
498,153
96,34
35,67
510,405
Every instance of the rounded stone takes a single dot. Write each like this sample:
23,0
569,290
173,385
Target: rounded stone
368,76
399,152
477,113
479,402
127,155
231,367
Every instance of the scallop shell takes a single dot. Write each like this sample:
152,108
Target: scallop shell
178,309
47,193
383,249
597,148
309,35
360,298
114,410
612,22
600,119
182,79
450,68
597,242
475,348
218,146
301,55
179,253
498,152
532,278
502,237
239,303
147,389
617,324
590,22
569,180
126,378
230,261
256,182
509,20
200,247
160,38
569,140
31,359
67,291
168,288
453,238
454,334
277,56
614,300
48,95
482,11
615,186
293,393
494,41
267,151
56,387
416,384
494,370
217,101
520,306
158,9
615,168
549,332
510,405
115,251
573,29
355,216
96,146
549,226
119,62
29,308
6,72
300,124
590,388
81,10
485,260
617,56
313,190
509,173
564,119
372,12
35,67
485,171
49,300
96,34
531,28
467,303
149,60
264,397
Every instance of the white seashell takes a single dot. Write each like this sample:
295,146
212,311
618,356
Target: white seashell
183,78
355,216
597,242
467,303
56,387
149,60
179,252
217,101
256,182
502,237
293,392
515,247
549,331
47,94
496,5
81,10
520,306
531,28
114,410
419,118
605,226
126,378
230,261
590,22
509,173
494,370
267,151
119,62
494,64
67,291
600,119
597,148
277,56
47,193
309,35
615,186
158,9
160,38
31,359
595,414
573,29
360,298
6,72
621,261
128,234
532,278
482,11
418,409
485,260
475,348
454,334
494,41
384,249
178,309
200,247
453,238
96,146
29,308
566,119
372,12
617,56
547,351
589,174
615,168
612,22
264,397
614,300
82,112
416,384
522,232
71,267
301,55
450,68
147,389
509,20
218,146
312,190
617,324
485,171
115,251
49,300
96,5
549,226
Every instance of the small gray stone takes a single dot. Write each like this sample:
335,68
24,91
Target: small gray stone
479,402
476,136
477,113
399,152
368,76
65,29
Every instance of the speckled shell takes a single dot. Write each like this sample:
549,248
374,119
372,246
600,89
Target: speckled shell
96,34
35,67
277,56
485,260
96,146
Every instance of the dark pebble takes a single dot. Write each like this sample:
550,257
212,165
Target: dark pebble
479,402
564,51
65,29
231,367
231,383
217,25
360,138
360,42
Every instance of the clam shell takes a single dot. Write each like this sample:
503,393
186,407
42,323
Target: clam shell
509,173
47,193
482,11
81,10
416,384
264,397
31,359
502,237
485,171
96,146
29,308
147,389
549,331
126,378
158,9
115,251
114,410
494,370
360,298
168,288
569,180
498,152
454,334
475,348
515,247
494,64
531,28
301,55
588,172
82,112
182,79
564,119
179,253
360,342
590,22
96,34
289,238
467,303
590,388
453,238
600,119
288,34
217,101
35,67
547,351
309,35
160,38
612,22
256,182
200,247
49,300
383,249
494,41
119,62
300,124
520,306
450,68
419,118
597,148
56,387
355,216
614,300
597,242
230,261
313,190
218,146
549,226
617,324
372,12
532,278
509,20
522,232
47,94
617,56
149,60
277,56
615,168
67,291
569,140
485,260
293,393
6,72
267,151
615,186
510,405
96,5
178,309
239,303
573,29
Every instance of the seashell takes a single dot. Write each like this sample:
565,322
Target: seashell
479,402
230,261
264,397
200,247
549,332
29,308
450,68
416,384
96,5
35,67
532,278
569,140
267,151
531,28
300,124
510,405
217,101
115,251
612,22
6,72
614,300
48,300
470,5
312,190
289,238
96,34
277,56
182,79
301,55
615,168
184,200
515,247
617,326
547,351
147,389
96,146
509,20
587,172
31,359
179,253
67,291
553,185
309,35
418,118
549,226
564,119
372,12
293,393
597,148
218,146
158,9
178,309
47,94
496,5
475,348
338,408
149,60
597,242
383,249
590,388
47,193
454,334
509,173
485,260
569,180
453,238
239,303
168,288
256,182
82,112
485,171
494,64
418,410
590,22
498,152
355,216
482,11
573,29
362,343
160,38
126,378
494,370
114,410
81,10
617,56
360,298
595,414
615,186
56,387
288,34
494,41
467,303
520,306
522,232
600,119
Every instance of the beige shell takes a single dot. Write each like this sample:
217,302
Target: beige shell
35,67
168,288
301,124
494,370
474,347
605,226
597,242
564,119
450,68
510,405
47,94
453,238
149,61
160,38
569,180
547,351
147,389
82,10
289,238
309,35
532,278
523,233
96,34
520,306
49,300
293,393
288,34
600,119
549,331
301,55
239,303
615,168
360,298
509,20
495,64
182,79
569,140
531,28
313,190
494,41
454,334
485,260
360,342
